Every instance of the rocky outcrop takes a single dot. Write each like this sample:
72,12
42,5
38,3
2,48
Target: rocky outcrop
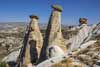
53,35
33,43
35,33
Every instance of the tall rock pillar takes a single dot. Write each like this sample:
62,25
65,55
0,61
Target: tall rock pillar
35,33
35,42
53,34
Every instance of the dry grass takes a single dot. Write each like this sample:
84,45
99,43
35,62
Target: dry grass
67,63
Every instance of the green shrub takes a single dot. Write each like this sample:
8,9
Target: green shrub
2,64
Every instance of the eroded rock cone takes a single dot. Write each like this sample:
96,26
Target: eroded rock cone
53,34
35,33
35,42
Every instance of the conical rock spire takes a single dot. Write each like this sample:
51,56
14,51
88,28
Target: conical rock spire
35,41
53,34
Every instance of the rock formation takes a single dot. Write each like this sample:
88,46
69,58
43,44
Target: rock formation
81,43
53,35
82,35
35,33
33,44
83,50
54,50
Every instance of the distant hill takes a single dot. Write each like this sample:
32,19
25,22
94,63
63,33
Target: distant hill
8,25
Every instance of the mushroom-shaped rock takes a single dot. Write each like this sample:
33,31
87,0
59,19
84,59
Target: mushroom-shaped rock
32,43
53,32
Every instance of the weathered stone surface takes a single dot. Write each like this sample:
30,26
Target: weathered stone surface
12,57
84,34
53,34
54,50
36,35
79,38
27,58
34,43
52,61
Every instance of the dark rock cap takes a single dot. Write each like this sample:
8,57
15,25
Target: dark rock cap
57,7
83,21
34,16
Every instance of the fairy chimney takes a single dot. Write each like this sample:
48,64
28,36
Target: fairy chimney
53,34
35,33
34,43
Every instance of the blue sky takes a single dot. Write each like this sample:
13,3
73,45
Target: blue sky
19,10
